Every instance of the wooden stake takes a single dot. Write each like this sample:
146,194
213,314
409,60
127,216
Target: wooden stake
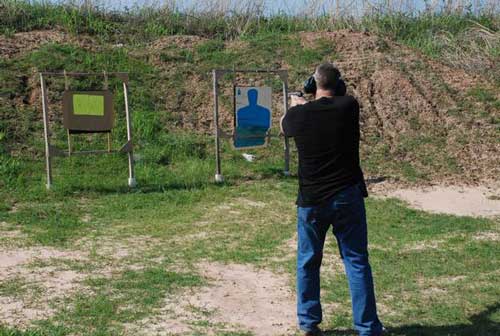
109,142
69,142
131,177
45,106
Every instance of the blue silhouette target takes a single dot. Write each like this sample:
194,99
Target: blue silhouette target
252,116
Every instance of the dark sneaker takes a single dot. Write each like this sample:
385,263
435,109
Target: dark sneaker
316,332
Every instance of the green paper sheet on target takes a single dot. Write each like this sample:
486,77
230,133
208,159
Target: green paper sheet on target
84,104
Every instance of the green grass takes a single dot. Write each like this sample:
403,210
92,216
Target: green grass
420,32
146,23
243,235
14,287
413,253
129,297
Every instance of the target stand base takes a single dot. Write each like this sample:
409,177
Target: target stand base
132,183
219,178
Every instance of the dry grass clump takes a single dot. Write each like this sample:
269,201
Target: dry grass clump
476,49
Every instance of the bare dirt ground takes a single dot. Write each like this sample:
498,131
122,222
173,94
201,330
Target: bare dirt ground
175,41
238,296
22,43
35,283
41,275
476,201
404,94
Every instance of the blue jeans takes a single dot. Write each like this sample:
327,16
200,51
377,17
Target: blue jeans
346,213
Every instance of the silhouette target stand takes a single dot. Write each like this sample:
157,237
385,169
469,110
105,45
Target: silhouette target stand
252,115
86,112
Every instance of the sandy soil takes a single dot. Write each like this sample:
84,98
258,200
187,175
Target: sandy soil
17,264
16,312
175,41
44,278
476,201
238,297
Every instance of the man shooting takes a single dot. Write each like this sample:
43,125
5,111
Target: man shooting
331,193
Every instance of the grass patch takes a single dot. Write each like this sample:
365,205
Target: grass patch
415,256
125,298
14,287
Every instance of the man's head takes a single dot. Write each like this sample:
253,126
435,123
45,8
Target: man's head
326,77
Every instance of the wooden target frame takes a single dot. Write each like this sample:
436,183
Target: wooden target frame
87,123
217,74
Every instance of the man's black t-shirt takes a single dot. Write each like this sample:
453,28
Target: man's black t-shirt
326,133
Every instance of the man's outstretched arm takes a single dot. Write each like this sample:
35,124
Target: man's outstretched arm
295,100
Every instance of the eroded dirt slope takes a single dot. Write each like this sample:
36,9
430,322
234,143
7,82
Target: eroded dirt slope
415,109
407,98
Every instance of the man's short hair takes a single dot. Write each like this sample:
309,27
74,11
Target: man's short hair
326,76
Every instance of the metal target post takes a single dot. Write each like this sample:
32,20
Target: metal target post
216,73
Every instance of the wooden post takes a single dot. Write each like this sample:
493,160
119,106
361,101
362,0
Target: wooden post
217,133
109,142
219,178
286,170
45,105
69,142
131,178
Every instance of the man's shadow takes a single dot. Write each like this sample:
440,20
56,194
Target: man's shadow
480,325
